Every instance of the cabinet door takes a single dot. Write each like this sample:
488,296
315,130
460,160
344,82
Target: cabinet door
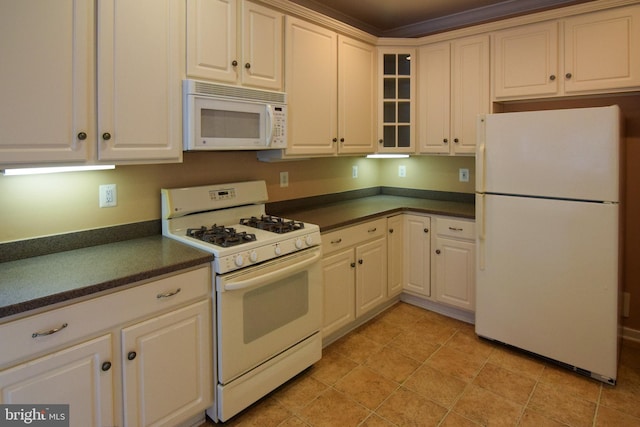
81,376
356,96
311,83
339,291
167,364
211,39
262,46
139,80
46,81
455,273
417,258
396,111
469,91
434,100
602,50
395,252
371,275
525,61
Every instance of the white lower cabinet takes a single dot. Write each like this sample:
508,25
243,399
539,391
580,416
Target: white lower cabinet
395,254
80,375
354,273
454,263
417,254
72,355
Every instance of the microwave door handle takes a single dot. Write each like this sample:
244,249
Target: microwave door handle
269,124
265,279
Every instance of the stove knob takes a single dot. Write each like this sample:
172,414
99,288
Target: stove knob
239,260
308,240
278,249
299,243
253,256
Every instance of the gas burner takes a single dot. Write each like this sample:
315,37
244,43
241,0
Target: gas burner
221,235
272,223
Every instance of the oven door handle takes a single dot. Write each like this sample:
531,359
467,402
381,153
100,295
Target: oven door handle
274,275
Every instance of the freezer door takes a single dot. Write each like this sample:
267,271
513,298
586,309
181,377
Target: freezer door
569,154
547,278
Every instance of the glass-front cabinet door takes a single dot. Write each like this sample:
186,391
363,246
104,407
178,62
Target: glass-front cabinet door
396,113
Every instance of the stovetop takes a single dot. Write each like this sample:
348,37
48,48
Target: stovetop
238,236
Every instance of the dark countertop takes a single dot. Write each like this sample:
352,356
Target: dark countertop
339,214
33,283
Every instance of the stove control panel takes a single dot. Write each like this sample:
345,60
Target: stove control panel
266,252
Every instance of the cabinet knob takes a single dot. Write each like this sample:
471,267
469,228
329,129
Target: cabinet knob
456,140
360,261
82,136
438,251
106,136
353,265
426,230
341,139
568,75
234,63
445,140
381,141
131,355
552,77
391,230
335,139
247,65
106,366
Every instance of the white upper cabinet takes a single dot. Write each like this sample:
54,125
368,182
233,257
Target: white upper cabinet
453,88
597,52
49,77
330,84
46,81
139,80
235,41
396,107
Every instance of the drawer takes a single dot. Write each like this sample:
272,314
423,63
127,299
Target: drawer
353,235
88,318
456,228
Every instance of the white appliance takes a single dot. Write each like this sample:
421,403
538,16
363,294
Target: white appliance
267,287
547,212
220,117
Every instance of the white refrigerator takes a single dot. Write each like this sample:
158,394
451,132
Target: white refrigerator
548,240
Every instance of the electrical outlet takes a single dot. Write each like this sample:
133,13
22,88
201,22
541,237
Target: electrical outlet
463,175
402,171
354,171
284,179
108,196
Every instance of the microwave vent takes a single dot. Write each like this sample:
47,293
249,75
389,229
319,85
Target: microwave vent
236,92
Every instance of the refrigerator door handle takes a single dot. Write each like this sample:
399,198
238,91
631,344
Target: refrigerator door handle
481,155
480,207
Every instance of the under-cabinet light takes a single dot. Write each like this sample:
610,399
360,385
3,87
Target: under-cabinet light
56,169
387,156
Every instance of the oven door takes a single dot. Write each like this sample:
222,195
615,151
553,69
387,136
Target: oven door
266,309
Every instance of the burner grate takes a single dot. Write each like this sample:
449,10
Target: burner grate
272,223
221,236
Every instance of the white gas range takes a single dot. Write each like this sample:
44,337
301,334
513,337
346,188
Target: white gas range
267,286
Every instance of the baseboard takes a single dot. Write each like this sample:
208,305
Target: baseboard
445,310
630,334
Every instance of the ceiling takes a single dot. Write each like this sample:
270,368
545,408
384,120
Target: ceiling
415,18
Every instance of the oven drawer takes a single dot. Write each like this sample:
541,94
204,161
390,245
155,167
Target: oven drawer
353,235
455,228
88,318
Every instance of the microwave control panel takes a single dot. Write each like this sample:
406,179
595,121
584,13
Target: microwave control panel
279,138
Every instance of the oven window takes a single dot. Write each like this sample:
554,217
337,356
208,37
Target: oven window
270,307
229,124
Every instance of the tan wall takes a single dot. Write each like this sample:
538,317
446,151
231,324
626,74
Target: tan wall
34,206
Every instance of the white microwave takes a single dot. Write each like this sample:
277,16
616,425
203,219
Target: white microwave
220,117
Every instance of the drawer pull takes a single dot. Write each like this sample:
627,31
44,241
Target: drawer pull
106,366
372,230
335,242
131,355
168,294
49,332
455,229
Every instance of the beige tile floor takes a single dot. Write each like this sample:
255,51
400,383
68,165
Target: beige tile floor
412,367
